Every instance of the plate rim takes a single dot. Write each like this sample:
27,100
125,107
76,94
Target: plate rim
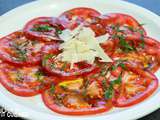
154,106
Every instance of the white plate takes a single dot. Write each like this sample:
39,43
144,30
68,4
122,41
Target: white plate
33,107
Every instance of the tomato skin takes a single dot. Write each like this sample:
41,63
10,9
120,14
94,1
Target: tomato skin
82,14
43,35
49,102
6,56
121,101
18,88
71,74
116,72
148,41
120,19
51,47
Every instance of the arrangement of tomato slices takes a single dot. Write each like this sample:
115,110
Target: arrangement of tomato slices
81,62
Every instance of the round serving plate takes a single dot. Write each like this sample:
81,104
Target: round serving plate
33,107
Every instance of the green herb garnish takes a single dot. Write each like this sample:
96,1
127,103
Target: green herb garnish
64,65
126,47
52,88
39,75
122,65
45,59
108,94
42,28
19,76
117,81
21,52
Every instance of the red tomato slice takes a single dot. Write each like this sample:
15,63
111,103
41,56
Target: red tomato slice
18,50
51,47
63,69
146,56
43,29
109,46
122,23
52,103
25,81
116,72
137,85
72,18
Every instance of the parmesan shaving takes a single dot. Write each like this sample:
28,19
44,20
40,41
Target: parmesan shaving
81,44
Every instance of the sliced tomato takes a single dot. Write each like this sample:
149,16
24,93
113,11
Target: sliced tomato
18,50
109,46
25,81
43,29
73,104
76,16
117,71
54,66
146,54
137,85
51,47
122,23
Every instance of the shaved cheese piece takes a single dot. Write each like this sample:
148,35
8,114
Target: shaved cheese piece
103,38
81,44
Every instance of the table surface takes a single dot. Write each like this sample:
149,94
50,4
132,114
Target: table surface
152,5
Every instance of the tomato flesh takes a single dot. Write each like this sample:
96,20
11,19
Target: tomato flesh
17,50
63,69
25,81
73,104
123,23
74,17
43,29
137,85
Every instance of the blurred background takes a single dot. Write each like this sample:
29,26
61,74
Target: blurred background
152,5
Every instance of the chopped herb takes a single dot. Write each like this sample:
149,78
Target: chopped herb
103,73
39,75
42,28
130,28
58,31
52,65
64,87
141,31
113,67
19,76
104,84
142,24
108,94
52,88
46,57
64,66
118,63
116,28
122,65
21,53
142,44
118,80
125,45
85,86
